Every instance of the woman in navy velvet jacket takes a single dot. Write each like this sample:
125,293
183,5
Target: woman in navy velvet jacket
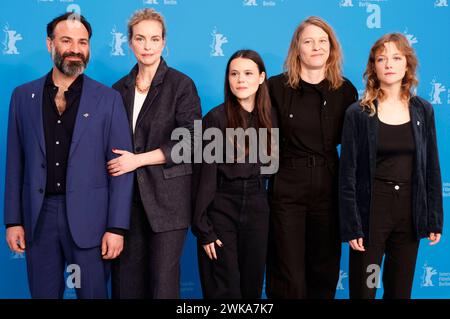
390,189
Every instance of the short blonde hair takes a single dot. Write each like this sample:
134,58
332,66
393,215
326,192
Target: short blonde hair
145,14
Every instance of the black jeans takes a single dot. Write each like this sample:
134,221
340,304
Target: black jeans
240,217
392,235
304,245
149,265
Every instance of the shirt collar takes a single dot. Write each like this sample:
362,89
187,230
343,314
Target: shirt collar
76,85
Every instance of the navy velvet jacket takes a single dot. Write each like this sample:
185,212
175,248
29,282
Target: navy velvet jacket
357,171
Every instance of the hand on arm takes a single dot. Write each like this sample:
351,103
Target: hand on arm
128,162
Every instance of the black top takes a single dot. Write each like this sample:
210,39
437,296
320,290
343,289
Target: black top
230,168
58,131
306,125
333,103
395,152
206,175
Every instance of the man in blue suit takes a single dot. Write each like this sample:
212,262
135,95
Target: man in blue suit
61,206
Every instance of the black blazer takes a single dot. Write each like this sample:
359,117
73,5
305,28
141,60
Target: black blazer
357,171
171,102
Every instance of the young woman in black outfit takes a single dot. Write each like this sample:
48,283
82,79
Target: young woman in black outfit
231,217
390,181
311,97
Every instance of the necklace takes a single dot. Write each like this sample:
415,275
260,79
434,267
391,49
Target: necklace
141,89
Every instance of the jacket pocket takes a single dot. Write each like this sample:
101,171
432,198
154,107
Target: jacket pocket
177,170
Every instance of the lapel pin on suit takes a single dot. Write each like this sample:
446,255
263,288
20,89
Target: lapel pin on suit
418,123
86,115
32,95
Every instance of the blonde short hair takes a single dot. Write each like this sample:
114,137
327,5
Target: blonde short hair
145,14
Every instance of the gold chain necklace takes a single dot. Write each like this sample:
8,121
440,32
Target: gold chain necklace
140,89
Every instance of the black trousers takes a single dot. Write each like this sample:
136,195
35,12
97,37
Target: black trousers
149,265
240,217
392,235
304,244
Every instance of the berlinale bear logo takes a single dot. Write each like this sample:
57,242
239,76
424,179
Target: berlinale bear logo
11,37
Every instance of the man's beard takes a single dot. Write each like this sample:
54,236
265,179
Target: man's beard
69,68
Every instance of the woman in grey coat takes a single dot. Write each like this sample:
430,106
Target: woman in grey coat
158,100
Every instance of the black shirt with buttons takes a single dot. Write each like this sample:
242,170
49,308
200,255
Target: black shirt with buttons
311,117
58,131
306,129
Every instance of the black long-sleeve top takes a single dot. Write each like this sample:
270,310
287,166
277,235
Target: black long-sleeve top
332,103
206,174
306,126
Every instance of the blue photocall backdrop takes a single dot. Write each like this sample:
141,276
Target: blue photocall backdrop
201,36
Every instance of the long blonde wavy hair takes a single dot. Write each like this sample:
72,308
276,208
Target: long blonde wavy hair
373,90
292,65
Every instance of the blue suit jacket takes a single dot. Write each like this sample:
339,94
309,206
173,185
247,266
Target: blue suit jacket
95,201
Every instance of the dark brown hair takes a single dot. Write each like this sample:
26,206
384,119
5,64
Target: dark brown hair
235,116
